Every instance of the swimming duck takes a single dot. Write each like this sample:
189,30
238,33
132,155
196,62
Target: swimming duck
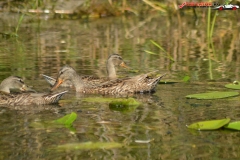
112,61
14,82
138,84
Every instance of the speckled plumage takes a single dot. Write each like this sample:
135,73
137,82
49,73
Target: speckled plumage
112,61
13,82
29,98
138,84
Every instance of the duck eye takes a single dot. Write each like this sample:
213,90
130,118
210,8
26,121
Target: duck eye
21,81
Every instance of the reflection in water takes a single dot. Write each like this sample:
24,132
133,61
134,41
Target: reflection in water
45,46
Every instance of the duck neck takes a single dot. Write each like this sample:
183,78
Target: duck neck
77,82
111,70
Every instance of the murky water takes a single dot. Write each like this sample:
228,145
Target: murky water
154,130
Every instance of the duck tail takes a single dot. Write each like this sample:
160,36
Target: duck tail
156,80
50,80
54,98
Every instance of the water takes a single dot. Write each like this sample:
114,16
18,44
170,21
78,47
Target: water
154,130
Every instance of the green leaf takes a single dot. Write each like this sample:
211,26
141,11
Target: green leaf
157,45
124,105
67,120
150,52
209,125
186,79
161,48
89,145
234,85
233,125
213,95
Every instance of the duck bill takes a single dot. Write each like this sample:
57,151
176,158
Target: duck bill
57,84
123,65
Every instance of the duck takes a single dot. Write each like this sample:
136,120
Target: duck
16,99
112,61
144,83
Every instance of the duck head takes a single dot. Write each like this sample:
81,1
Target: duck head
114,60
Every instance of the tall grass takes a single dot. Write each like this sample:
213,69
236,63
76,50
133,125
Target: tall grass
210,29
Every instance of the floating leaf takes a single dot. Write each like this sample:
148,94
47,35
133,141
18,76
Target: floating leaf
234,85
209,125
233,125
67,120
124,105
213,95
186,79
89,145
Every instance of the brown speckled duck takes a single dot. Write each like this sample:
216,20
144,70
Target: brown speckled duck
14,82
112,61
138,84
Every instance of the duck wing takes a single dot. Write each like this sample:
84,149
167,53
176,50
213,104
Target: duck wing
30,98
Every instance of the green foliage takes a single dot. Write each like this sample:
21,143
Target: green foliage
215,124
209,125
124,105
67,120
18,25
186,79
213,95
116,104
161,48
233,125
234,85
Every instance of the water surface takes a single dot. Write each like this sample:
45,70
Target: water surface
154,130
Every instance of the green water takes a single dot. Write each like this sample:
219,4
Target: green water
154,130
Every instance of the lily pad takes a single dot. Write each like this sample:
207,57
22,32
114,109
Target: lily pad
234,85
124,105
209,125
213,95
89,145
233,125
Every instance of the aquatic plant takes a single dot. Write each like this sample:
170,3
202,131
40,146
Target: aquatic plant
215,124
